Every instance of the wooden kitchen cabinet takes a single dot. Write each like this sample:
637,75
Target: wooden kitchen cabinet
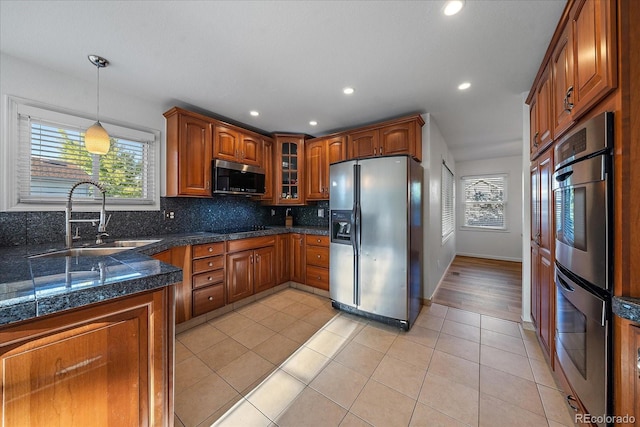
319,154
189,153
289,169
317,261
400,136
542,136
297,258
180,256
282,258
234,145
109,364
250,265
267,164
207,280
542,250
627,368
562,72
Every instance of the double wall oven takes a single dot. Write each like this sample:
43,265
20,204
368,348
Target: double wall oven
582,187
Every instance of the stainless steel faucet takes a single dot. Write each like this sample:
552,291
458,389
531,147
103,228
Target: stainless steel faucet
102,221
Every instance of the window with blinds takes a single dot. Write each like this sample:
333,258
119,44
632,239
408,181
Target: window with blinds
447,189
485,199
52,158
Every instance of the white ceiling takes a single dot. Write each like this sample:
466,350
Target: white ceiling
290,59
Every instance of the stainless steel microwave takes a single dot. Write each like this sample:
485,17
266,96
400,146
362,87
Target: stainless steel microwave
236,178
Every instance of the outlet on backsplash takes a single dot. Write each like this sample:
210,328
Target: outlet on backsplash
169,214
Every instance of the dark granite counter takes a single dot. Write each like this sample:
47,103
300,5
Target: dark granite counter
33,287
627,308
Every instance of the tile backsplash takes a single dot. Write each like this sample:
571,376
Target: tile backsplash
190,215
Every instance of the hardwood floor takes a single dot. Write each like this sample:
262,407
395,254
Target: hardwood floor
483,286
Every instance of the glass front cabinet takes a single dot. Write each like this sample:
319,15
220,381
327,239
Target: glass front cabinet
289,168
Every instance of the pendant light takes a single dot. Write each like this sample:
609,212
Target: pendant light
96,139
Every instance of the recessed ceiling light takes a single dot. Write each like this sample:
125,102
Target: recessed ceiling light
453,6
348,90
254,113
313,123
464,86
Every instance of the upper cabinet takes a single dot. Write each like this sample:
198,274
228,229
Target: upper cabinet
289,169
236,146
579,70
319,154
189,153
401,136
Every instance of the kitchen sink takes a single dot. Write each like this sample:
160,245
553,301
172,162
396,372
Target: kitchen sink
104,250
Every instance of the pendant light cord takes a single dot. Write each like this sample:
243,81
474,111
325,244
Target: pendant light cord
98,95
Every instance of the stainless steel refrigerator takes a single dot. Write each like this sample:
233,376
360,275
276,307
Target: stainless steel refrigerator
376,238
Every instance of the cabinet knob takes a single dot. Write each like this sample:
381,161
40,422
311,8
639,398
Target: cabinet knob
318,240
318,277
209,278
318,256
210,298
210,249
210,264
638,362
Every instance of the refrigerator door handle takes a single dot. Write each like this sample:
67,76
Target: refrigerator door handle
356,235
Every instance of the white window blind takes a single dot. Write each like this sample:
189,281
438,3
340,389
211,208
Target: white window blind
447,197
52,157
485,199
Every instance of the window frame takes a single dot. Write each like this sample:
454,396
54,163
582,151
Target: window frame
10,149
450,232
464,203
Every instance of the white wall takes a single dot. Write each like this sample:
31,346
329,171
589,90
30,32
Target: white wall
437,255
504,245
65,93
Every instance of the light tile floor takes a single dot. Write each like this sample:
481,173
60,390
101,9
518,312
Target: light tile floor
291,360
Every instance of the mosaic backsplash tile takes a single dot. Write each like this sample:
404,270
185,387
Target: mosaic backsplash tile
190,215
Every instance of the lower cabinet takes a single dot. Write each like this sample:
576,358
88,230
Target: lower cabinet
207,280
627,369
282,258
180,256
250,266
110,364
296,258
317,261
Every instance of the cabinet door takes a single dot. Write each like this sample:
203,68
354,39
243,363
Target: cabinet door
544,110
547,305
239,275
250,150
398,139
562,68
546,240
364,144
225,144
535,285
264,268
316,169
180,256
297,263
595,50
282,258
336,149
290,170
91,367
535,203
194,157
267,164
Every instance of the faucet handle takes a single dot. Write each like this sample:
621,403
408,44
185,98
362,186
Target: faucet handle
77,235
103,227
99,237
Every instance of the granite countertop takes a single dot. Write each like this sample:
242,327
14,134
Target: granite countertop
627,308
34,287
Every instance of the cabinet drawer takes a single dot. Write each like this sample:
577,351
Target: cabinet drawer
209,278
208,249
317,240
250,243
317,277
208,264
207,299
318,255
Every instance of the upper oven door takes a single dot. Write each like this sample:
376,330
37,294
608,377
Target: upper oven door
582,220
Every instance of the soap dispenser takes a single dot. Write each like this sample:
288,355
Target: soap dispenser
288,220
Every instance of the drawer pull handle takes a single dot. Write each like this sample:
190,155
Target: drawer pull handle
638,362
570,400
318,240
209,278
210,264
318,256
210,249
318,277
210,298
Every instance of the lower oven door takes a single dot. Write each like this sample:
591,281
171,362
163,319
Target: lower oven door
581,342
